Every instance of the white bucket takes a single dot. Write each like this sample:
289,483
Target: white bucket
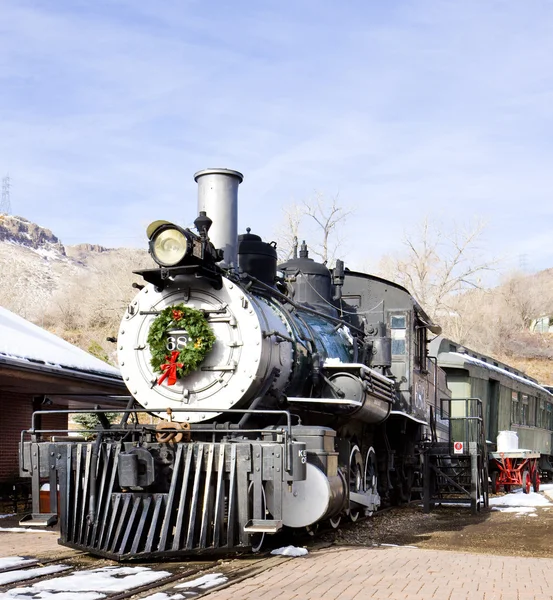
507,441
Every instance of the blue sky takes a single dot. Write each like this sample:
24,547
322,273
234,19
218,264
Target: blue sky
404,108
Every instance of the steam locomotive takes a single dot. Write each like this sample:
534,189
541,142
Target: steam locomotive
283,395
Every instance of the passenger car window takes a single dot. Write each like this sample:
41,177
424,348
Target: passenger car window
515,411
524,410
541,418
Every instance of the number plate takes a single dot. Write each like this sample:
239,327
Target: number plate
177,339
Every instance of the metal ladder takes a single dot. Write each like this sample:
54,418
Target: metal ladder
456,472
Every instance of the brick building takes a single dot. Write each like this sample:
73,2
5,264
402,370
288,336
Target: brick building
40,371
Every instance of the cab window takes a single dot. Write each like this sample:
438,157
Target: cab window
420,345
398,325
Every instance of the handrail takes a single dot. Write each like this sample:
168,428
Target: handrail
475,405
149,412
284,430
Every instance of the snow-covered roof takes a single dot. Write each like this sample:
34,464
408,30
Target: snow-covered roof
460,358
23,341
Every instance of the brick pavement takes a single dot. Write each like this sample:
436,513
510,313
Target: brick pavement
398,573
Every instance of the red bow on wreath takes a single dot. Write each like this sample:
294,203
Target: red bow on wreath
170,369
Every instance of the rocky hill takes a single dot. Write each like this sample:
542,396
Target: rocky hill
33,265
83,252
21,232
78,292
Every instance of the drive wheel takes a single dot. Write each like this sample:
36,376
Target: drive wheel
312,530
335,522
484,477
355,477
370,474
536,481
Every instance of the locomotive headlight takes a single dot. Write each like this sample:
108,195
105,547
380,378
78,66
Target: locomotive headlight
168,245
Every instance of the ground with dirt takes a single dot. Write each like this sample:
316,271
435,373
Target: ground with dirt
453,528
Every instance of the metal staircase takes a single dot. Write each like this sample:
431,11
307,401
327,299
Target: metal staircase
456,472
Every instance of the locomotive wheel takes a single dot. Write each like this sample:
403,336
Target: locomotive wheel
370,474
526,482
355,477
536,481
335,522
484,483
312,529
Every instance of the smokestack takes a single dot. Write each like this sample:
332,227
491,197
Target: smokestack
218,197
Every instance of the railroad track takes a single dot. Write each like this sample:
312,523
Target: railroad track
89,577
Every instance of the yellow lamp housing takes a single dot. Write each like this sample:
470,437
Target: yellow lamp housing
169,243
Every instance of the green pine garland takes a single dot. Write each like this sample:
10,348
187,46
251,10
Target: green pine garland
201,338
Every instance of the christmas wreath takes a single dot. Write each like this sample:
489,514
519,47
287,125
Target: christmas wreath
179,362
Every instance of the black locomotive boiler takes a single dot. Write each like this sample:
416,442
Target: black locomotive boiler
282,395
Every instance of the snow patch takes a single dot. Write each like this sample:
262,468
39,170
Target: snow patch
520,503
8,562
519,499
519,510
13,576
205,582
84,585
105,579
30,594
289,551
47,254
164,596
6,516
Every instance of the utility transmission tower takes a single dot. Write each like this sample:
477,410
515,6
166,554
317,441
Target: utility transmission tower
5,204
523,262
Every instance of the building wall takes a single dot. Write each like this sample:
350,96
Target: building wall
15,415
55,421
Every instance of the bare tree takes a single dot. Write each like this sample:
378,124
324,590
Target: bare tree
327,214
316,220
526,298
288,231
438,264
